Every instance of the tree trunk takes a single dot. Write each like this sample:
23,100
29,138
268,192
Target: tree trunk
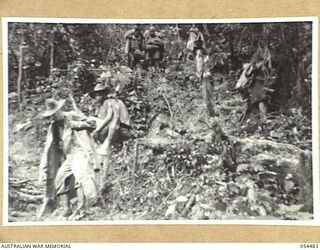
232,56
206,88
206,85
20,75
51,55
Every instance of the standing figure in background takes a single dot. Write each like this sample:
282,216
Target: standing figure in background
134,49
195,42
154,48
254,83
251,86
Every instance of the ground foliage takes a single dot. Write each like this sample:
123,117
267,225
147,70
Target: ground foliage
181,164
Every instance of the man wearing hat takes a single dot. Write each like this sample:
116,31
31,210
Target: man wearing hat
134,48
154,48
67,162
113,123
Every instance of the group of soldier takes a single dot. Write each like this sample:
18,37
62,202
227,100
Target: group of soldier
77,150
148,46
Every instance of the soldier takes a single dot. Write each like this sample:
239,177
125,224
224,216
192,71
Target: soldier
154,48
113,121
195,42
251,87
67,161
134,49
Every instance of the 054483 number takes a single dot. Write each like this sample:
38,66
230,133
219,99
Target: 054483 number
309,246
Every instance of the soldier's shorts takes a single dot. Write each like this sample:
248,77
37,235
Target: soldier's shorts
63,182
123,133
153,54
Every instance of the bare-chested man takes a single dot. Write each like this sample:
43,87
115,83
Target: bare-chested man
113,123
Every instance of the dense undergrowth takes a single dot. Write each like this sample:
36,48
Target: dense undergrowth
181,164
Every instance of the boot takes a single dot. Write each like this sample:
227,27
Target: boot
65,203
81,204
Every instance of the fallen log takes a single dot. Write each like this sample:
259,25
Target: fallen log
234,102
159,142
231,108
17,182
30,191
253,145
27,197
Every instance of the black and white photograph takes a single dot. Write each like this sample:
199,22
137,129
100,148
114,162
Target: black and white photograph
160,121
